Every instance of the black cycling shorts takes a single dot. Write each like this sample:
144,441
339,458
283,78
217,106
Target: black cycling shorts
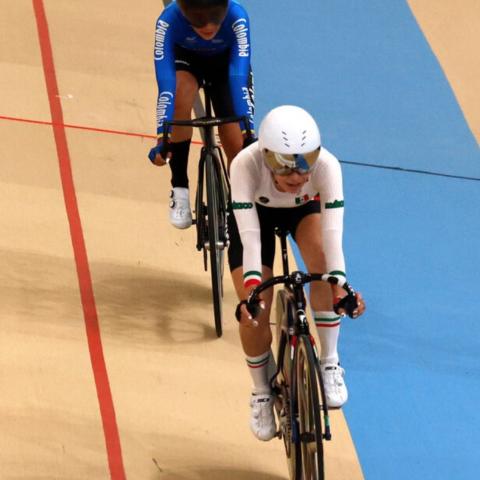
270,218
213,70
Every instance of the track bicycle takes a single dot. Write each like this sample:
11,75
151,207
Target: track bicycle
212,199
297,384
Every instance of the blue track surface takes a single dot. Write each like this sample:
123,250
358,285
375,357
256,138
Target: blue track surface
366,72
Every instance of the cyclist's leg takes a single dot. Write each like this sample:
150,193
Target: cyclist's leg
305,225
187,83
186,91
256,340
309,239
256,343
232,140
308,235
230,134
179,208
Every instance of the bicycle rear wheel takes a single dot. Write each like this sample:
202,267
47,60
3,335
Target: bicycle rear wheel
308,410
216,221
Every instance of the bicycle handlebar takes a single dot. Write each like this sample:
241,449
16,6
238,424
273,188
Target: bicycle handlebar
203,122
300,278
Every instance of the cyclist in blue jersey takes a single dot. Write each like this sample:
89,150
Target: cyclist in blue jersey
199,41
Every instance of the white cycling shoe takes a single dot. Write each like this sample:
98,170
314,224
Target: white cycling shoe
335,388
180,212
262,419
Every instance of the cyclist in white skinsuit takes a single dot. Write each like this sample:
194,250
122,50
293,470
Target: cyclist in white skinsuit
287,179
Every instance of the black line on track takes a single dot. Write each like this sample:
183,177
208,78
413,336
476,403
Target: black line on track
410,170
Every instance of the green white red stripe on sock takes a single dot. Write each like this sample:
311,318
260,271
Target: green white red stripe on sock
258,362
252,278
328,321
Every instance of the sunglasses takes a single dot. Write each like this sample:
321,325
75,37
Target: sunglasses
202,18
285,164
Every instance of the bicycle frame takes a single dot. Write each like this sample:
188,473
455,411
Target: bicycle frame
297,324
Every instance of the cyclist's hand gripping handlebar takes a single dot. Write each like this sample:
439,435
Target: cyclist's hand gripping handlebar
158,155
352,304
253,308
255,303
347,305
161,149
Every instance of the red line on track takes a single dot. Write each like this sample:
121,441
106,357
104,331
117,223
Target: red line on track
104,395
80,127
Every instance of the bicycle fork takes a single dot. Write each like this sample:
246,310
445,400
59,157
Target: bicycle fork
201,215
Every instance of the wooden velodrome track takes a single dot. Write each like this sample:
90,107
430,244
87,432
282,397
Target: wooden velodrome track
152,394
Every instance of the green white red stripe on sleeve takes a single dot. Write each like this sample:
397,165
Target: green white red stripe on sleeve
252,278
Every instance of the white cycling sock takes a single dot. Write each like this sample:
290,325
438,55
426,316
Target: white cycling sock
328,328
258,368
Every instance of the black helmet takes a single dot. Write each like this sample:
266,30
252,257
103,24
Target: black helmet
202,3
202,12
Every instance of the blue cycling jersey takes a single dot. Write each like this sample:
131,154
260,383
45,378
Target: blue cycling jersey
172,29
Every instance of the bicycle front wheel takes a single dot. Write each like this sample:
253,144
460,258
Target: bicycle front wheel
216,220
308,411
285,402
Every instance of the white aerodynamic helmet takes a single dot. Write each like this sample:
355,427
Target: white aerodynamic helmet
289,139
